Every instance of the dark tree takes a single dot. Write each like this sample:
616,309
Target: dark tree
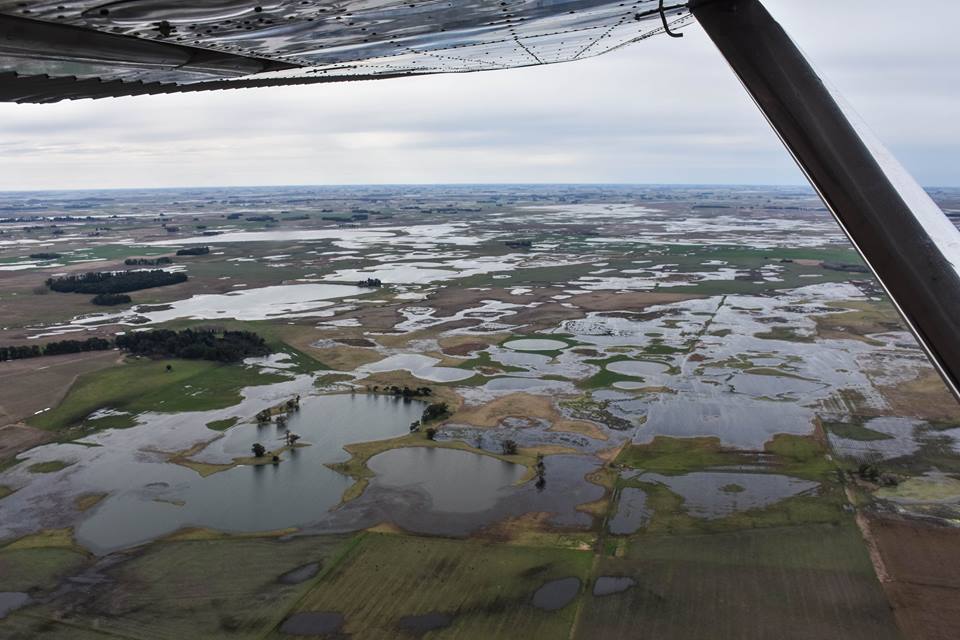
115,281
258,450
509,447
194,344
435,411
431,433
194,251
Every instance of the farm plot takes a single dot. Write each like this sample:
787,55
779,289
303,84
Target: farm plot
214,588
802,582
463,588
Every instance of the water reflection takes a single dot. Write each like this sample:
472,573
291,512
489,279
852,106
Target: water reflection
296,492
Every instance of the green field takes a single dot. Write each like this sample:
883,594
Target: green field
225,588
486,587
146,385
808,582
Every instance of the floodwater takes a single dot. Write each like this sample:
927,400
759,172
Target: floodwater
150,497
632,512
455,481
281,301
300,574
712,494
638,368
419,366
312,623
609,585
773,386
535,344
11,601
904,438
411,506
556,594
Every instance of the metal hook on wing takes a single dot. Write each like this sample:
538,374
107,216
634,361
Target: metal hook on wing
666,27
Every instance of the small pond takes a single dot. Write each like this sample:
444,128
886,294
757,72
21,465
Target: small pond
632,512
638,368
535,344
420,366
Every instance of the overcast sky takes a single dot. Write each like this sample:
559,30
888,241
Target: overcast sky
661,111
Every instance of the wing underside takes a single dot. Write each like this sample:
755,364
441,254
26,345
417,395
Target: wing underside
52,50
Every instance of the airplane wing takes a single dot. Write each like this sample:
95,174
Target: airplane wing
53,50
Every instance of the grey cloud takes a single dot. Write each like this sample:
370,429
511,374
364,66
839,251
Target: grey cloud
661,111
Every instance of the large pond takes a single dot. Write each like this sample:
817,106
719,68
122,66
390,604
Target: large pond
639,368
455,481
150,498
713,494
420,366
262,303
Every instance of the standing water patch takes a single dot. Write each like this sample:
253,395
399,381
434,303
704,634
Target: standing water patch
535,344
556,594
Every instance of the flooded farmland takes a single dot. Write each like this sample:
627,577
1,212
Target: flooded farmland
461,405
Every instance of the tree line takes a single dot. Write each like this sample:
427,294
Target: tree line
114,281
194,344
189,344
194,251
148,261
59,347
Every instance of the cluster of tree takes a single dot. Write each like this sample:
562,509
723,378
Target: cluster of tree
194,344
541,473
110,299
435,411
407,392
194,251
54,348
44,256
370,282
872,473
149,261
263,218
115,281
519,244
260,451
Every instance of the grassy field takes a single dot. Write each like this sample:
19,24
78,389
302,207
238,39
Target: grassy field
37,569
487,588
146,385
194,589
676,456
795,582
